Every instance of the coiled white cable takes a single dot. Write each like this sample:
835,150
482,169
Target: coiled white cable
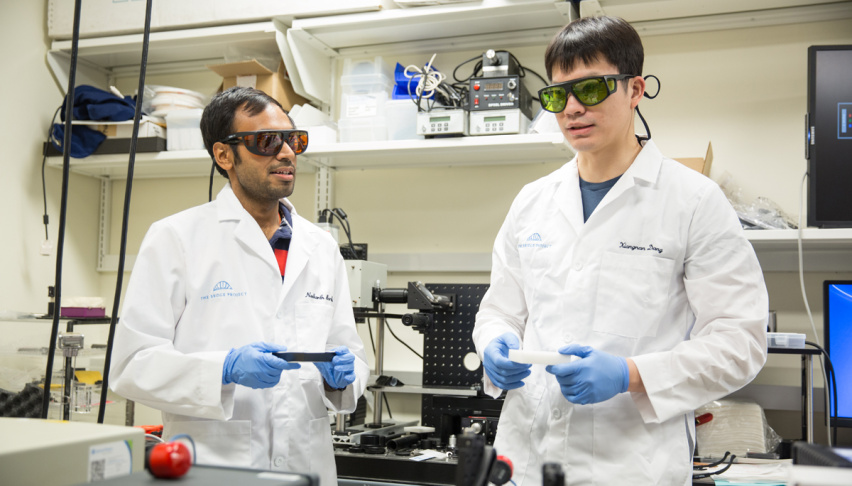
429,81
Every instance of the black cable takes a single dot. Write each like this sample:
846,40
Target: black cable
344,223
373,344
646,95
647,129
714,464
63,206
387,324
476,69
829,370
210,187
45,218
140,94
718,471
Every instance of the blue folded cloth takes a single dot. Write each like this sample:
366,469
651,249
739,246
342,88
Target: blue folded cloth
91,103
84,140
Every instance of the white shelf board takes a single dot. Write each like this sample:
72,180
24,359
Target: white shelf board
522,22
398,26
823,250
189,46
459,151
178,163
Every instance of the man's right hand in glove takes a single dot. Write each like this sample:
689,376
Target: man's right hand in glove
505,374
254,366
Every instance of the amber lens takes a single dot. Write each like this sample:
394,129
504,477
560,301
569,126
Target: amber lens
298,141
268,143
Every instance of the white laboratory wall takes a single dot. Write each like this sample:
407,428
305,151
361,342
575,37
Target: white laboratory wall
743,90
29,97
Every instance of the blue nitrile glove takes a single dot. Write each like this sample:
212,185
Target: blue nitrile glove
597,377
505,374
254,366
340,372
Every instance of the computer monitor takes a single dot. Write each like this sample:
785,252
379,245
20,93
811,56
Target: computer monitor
828,135
837,325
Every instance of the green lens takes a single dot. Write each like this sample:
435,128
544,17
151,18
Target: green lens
590,91
553,99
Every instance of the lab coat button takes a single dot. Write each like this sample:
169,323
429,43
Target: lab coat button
278,462
556,414
578,266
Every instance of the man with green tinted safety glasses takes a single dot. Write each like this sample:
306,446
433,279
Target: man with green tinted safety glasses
629,272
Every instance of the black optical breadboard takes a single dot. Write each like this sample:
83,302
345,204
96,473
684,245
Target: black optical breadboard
359,254
450,340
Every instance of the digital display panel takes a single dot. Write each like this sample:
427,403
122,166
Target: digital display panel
489,119
438,119
492,86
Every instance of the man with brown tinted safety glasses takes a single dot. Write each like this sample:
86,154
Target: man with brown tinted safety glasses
627,274
219,290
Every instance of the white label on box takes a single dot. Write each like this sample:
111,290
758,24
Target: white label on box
362,105
110,460
247,81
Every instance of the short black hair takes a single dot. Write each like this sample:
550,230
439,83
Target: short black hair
217,120
590,39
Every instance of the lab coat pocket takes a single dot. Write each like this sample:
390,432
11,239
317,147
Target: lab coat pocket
632,294
217,442
313,321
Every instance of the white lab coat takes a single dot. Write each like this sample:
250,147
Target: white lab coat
205,281
660,272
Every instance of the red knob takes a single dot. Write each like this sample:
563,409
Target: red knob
169,460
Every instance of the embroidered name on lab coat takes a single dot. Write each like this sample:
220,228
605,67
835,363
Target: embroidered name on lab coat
312,295
650,247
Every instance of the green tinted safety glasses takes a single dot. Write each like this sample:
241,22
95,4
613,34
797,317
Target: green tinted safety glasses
589,91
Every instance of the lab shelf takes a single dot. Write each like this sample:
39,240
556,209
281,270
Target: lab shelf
511,20
148,165
460,151
823,249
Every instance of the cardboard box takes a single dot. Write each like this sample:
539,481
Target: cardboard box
255,75
114,17
124,129
699,164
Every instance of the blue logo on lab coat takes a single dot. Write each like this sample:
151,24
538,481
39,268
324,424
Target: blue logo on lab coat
223,285
222,289
534,241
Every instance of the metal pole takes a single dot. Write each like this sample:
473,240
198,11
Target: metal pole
809,399
380,338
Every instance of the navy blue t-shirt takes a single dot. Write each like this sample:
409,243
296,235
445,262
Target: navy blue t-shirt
593,193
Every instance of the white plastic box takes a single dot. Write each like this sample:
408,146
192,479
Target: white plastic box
792,340
365,129
401,118
184,130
